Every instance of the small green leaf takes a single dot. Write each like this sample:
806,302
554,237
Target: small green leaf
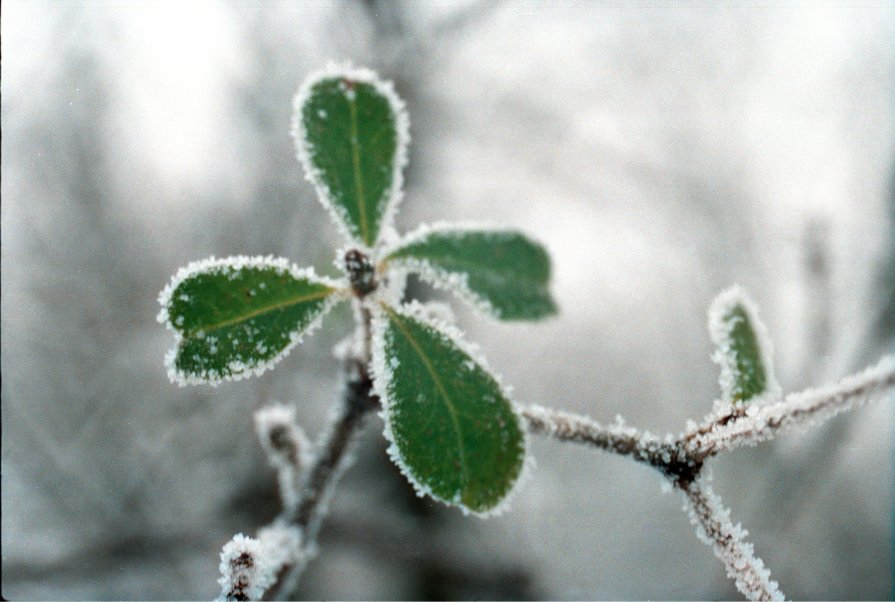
743,349
238,316
504,273
454,432
351,132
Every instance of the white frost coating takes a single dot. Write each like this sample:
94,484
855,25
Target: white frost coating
347,460
617,437
241,575
719,330
392,284
286,446
250,566
240,370
281,545
383,374
714,528
454,282
797,410
439,312
424,231
338,213
349,348
440,278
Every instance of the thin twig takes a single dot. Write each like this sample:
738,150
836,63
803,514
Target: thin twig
330,461
358,402
714,528
681,461
618,438
755,424
321,479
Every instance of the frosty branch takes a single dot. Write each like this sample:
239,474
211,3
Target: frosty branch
714,528
454,430
681,460
755,424
332,459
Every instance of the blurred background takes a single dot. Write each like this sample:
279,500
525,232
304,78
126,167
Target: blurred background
661,151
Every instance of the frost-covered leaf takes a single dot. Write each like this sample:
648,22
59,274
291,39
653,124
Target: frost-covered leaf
238,316
743,348
455,433
502,272
351,132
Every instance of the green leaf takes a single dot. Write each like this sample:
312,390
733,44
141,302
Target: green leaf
238,316
351,131
504,273
743,348
454,432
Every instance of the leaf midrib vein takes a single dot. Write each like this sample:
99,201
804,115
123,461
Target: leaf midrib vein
452,411
266,309
358,178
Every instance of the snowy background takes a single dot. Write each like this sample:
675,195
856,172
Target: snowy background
661,151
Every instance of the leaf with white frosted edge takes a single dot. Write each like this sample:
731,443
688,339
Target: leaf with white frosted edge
239,316
454,432
351,133
502,272
744,349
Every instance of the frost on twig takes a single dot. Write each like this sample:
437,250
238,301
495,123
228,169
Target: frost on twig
318,480
714,528
681,460
617,438
250,566
270,566
286,446
798,410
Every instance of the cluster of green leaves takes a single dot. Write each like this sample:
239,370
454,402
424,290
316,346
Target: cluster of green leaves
454,431
743,349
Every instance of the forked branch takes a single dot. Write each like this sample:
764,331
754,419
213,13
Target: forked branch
681,460
239,316
755,424
321,478
619,438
